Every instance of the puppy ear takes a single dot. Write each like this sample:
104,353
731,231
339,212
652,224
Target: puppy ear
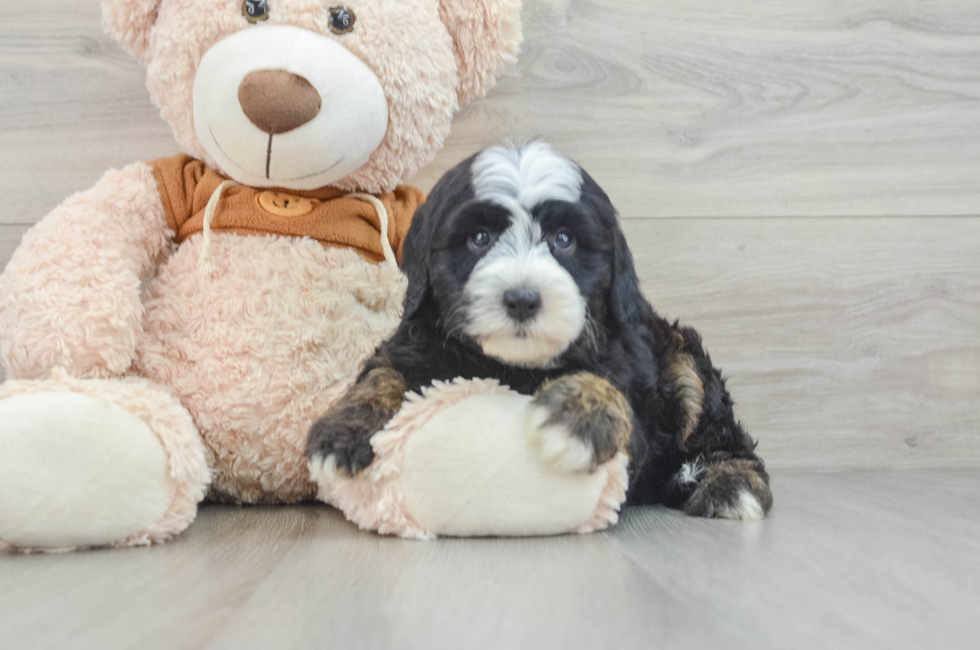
452,190
129,22
626,301
416,253
486,37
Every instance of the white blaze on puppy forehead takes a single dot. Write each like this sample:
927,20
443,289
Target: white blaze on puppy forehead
530,175
519,179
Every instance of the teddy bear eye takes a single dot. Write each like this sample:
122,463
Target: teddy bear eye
342,20
255,10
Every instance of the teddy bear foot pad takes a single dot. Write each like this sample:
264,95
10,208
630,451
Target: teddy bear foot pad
434,473
80,467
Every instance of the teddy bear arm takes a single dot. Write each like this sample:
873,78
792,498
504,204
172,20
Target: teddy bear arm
70,296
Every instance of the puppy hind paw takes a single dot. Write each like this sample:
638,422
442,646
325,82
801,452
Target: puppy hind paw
730,490
690,472
745,508
742,505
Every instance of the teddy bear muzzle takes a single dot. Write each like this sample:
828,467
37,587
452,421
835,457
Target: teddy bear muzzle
281,106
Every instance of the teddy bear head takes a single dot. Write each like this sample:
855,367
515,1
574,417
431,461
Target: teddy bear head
302,94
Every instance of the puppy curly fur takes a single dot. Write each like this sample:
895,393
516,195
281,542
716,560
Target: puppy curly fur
625,379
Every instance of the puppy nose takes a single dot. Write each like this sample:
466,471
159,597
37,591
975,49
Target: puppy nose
522,304
277,101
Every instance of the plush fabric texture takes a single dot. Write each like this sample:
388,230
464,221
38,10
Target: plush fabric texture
129,22
261,347
228,364
160,429
428,56
326,215
457,460
485,37
288,144
277,101
70,295
54,443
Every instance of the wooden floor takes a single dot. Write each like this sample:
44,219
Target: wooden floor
800,180
849,560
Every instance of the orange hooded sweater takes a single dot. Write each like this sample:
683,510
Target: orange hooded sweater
326,214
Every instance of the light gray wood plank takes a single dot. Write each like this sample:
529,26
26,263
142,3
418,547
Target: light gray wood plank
845,561
848,342
10,237
677,108
751,108
848,560
565,592
73,105
173,596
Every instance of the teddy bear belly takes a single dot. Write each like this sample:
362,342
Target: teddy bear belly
261,347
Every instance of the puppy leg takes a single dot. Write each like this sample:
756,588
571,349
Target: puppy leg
342,437
580,421
730,488
723,476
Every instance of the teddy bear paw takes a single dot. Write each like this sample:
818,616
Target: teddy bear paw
77,471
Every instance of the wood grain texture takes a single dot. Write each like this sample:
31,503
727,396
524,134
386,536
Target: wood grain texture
850,560
72,105
733,137
10,237
848,342
710,108
765,107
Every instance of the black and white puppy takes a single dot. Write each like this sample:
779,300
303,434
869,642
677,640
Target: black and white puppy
518,271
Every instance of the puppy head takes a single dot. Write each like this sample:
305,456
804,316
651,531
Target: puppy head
518,250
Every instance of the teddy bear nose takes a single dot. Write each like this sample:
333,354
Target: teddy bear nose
277,101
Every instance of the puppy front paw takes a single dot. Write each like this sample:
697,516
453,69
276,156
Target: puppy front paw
340,442
342,448
580,421
729,489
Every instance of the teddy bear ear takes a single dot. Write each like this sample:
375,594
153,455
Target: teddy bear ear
129,22
486,37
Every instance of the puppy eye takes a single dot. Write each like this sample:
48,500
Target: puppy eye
563,242
255,10
480,241
341,20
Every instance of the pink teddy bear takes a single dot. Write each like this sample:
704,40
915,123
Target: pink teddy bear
172,332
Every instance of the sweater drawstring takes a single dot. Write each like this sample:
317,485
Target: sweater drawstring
383,218
206,263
